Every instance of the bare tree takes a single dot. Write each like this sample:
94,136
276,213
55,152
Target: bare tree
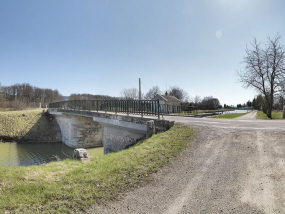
278,102
2,99
209,103
19,96
197,100
131,93
89,97
216,103
38,95
179,93
152,92
264,69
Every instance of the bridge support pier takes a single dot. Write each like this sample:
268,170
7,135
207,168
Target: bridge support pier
116,138
83,129
119,135
78,131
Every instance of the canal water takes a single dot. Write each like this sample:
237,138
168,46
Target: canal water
16,154
235,112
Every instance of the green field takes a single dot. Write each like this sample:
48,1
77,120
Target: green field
275,115
71,186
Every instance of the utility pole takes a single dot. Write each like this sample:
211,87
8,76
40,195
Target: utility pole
140,93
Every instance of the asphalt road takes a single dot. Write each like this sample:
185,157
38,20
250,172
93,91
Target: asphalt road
233,166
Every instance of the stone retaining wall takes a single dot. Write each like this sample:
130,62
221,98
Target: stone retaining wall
44,130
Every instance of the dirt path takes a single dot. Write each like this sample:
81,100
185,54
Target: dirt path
249,116
222,171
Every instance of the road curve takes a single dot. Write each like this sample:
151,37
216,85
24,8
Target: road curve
233,166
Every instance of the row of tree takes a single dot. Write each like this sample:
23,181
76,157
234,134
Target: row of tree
259,102
89,97
206,103
133,93
20,96
248,104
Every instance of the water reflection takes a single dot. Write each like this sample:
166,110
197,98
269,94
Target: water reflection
15,154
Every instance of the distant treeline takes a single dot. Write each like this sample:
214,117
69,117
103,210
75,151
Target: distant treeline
21,96
207,103
89,97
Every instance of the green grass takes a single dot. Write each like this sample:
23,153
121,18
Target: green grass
14,124
212,111
229,116
275,115
72,186
200,112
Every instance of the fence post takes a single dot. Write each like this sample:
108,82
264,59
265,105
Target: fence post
158,109
128,107
142,109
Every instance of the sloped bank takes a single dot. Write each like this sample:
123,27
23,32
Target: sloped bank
72,186
28,126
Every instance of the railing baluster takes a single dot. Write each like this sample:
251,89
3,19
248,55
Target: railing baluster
137,107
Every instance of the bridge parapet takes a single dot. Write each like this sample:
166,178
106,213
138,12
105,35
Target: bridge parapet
135,107
163,124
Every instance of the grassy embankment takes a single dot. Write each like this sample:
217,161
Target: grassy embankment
15,124
200,112
275,115
71,186
4,109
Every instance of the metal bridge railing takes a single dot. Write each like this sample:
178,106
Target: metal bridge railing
137,107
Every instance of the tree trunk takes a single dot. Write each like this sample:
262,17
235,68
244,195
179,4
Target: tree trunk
270,104
269,112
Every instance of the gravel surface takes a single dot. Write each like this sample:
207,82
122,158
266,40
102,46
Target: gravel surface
232,166
250,116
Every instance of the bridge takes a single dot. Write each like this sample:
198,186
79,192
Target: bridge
113,124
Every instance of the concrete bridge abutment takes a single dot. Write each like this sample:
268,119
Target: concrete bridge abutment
79,132
113,132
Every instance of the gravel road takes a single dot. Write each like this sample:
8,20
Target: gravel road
233,166
249,116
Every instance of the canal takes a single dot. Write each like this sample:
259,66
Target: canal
17,154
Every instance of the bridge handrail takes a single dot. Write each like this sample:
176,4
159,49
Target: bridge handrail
139,107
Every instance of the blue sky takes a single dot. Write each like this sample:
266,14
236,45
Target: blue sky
101,47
